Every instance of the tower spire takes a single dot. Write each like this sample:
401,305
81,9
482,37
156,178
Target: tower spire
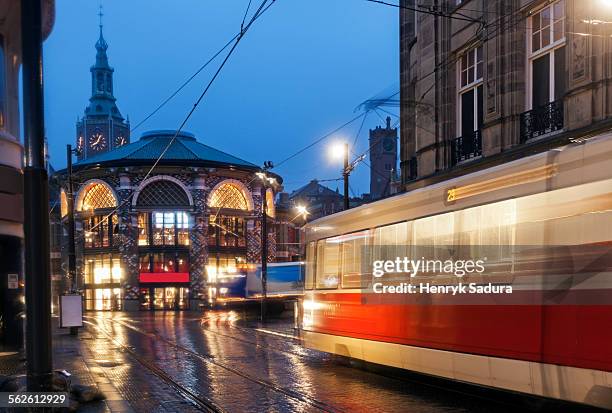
103,127
101,44
100,14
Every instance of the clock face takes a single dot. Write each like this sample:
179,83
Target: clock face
120,141
97,141
388,144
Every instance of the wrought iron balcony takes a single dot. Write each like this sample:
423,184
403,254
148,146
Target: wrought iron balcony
466,147
542,120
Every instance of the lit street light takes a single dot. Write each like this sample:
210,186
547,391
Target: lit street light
301,210
338,151
341,150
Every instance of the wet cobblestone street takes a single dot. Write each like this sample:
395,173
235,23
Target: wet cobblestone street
167,361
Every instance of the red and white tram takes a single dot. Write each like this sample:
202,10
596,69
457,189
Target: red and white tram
553,338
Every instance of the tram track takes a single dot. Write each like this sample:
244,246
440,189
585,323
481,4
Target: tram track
200,402
259,345
209,359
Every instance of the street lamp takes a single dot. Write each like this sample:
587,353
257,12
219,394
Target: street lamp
338,151
301,210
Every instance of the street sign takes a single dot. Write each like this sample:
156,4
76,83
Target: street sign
71,310
13,281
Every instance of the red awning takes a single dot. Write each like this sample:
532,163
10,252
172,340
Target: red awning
164,277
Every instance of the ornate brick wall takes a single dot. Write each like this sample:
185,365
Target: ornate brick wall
198,253
128,240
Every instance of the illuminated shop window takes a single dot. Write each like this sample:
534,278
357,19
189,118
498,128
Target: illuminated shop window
164,262
143,229
102,269
167,228
226,231
270,210
103,299
225,265
98,196
101,231
228,196
63,204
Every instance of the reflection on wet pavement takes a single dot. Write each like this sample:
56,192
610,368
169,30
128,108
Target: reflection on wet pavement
225,358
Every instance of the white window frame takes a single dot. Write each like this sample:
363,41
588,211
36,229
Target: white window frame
548,49
469,86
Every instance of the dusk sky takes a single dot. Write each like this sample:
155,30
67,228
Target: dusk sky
299,73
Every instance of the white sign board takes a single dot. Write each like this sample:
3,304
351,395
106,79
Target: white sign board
13,281
71,311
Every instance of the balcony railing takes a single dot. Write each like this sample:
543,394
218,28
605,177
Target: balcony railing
466,147
542,120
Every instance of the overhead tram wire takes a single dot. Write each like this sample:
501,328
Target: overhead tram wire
185,83
260,11
197,72
360,128
327,135
425,11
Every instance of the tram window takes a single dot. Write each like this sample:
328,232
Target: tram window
391,241
310,266
328,263
353,247
423,236
444,235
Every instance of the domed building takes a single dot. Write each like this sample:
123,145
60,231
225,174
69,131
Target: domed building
158,240
158,220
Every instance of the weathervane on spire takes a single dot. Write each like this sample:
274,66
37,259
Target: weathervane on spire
100,14
101,45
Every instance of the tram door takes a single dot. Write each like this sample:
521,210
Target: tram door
165,298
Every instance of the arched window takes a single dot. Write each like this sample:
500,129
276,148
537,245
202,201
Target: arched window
99,227
162,193
166,222
97,196
228,196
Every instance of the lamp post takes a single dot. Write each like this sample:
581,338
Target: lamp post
36,204
264,236
71,238
72,276
342,150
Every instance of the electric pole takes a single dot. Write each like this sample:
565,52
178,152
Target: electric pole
264,235
36,204
72,276
71,239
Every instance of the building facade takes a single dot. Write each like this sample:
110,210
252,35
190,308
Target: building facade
158,221
161,240
289,221
318,199
484,82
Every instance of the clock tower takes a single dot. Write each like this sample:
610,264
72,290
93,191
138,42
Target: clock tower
103,128
383,160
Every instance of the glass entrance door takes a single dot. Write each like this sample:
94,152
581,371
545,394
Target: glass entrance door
165,298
